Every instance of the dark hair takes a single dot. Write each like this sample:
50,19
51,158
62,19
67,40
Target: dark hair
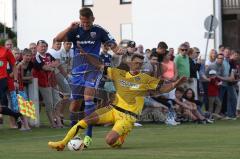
42,42
135,55
163,45
153,55
180,89
147,50
220,46
185,95
154,50
86,12
26,51
131,44
220,55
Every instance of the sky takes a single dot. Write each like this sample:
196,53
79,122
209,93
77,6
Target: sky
7,13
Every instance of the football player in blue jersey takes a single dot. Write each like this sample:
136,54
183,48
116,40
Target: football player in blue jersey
85,77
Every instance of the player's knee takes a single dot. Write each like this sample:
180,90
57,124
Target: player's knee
110,140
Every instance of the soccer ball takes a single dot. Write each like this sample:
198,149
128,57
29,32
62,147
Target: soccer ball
75,144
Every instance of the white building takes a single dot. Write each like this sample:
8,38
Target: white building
145,21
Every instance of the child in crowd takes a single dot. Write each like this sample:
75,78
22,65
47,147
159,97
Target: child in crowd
213,94
25,69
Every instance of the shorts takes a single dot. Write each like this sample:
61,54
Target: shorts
79,82
123,123
50,97
3,92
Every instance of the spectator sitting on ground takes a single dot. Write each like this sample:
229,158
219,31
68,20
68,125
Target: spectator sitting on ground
189,97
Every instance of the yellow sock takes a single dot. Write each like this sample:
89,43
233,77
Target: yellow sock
74,130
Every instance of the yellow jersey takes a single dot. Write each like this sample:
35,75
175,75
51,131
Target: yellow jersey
131,89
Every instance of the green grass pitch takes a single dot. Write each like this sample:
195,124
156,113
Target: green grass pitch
152,141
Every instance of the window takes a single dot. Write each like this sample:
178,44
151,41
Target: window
87,3
125,1
126,31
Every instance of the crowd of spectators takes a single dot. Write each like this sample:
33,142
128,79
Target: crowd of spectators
211,92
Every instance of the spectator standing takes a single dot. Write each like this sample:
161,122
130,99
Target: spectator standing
44,66
211,58
171,53
182,64
213,94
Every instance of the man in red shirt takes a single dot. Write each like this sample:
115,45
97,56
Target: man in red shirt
43,67
6,56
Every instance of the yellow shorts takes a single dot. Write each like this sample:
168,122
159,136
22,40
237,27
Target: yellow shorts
123,123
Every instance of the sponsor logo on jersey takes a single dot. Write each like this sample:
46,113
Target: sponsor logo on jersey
1,63
93,34
129,84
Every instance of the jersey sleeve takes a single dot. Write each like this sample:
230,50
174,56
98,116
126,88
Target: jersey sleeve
107,37
10,58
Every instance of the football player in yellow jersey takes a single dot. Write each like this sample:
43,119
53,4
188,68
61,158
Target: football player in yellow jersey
131,87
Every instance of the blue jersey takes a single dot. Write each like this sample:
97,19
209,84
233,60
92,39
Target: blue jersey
90,41
106,59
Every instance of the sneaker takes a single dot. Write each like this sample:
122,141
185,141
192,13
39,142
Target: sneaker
232,118
171,122
87,141
229,118
209,121
59,146
137,125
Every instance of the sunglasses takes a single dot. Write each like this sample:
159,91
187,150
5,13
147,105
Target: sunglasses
183,49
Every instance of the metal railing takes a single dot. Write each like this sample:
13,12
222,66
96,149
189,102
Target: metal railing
231,4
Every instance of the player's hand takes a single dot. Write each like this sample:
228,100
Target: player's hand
121,51
74,25
181,80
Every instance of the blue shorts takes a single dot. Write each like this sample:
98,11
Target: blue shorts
79,82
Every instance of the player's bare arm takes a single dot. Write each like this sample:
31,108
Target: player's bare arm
62,36
168,87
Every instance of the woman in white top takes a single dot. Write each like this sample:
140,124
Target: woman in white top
212,58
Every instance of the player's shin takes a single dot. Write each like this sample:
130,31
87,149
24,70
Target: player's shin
81,125
89,108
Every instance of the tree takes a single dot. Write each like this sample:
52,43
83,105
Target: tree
9,32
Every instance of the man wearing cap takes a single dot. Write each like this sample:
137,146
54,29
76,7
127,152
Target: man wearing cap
126,58
213,94
44,66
